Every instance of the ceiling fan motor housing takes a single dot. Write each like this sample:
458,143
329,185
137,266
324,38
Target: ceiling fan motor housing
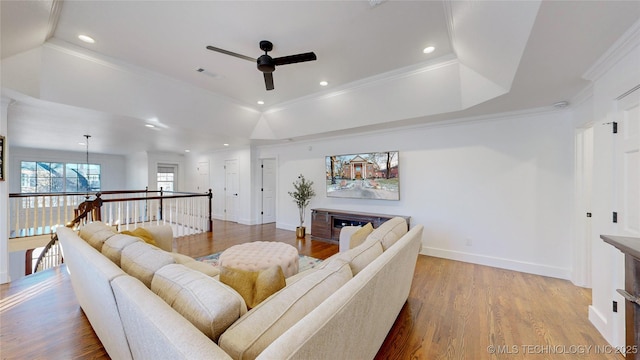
266,64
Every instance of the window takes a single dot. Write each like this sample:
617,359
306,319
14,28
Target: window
166,177
45,177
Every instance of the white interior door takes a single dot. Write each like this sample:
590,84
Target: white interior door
268,191
202,184
584,187
231,185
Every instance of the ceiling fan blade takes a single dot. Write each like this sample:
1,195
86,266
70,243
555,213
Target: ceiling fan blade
227,52
268,81
292,59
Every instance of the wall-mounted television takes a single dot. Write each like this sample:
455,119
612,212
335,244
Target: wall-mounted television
373,175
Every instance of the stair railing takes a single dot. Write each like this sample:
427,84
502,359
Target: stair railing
186,213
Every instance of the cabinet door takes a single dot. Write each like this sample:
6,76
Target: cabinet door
320,224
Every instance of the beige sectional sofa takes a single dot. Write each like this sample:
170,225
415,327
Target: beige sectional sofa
147,303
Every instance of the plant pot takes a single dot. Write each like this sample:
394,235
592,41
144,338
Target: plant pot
300,232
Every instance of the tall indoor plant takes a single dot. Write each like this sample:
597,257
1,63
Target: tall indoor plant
302,196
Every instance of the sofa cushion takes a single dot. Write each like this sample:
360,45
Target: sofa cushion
192,263
87,230
112,247
141,233
98,238
254,286
208,304
389,232
258,328
362,255
360,235
142,260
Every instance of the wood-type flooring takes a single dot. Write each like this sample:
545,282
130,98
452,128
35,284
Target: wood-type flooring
455,310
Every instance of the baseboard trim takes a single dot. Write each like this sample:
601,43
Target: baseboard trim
522,266
599,322
4,277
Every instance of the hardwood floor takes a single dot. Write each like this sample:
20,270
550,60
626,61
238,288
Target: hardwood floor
455,310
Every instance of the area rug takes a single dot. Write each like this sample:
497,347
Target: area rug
304,263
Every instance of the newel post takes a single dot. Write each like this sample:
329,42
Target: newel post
161,203
210,196
96,214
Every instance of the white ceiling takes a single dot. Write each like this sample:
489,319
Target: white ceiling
490,57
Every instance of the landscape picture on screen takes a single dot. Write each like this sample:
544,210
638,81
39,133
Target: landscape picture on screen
365,176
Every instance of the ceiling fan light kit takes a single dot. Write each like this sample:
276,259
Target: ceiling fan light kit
265,63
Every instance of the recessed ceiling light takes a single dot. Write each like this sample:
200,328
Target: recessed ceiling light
428,49
86,38
150,126
187,150
260,102
323,83
225,144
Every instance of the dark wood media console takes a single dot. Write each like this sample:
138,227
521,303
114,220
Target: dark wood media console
326,223
631,249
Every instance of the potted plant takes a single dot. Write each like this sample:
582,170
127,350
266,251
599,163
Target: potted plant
302,196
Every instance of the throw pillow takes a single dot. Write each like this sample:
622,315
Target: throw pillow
360,236
254,286
141,233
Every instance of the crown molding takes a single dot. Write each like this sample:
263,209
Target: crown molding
583,96
625,44
514,115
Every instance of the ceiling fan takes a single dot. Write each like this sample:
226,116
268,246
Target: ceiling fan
266,63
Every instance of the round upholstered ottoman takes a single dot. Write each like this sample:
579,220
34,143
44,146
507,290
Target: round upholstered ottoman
260,255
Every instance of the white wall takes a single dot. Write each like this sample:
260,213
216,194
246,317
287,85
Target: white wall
137,171
502,185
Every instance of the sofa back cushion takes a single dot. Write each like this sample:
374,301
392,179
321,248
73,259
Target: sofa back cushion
98,238
362,255
193,264
208,304
113,246
87,230
389,232
142,260
258,328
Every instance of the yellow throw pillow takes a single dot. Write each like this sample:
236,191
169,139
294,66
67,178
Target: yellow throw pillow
360,236
254,286
143,234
